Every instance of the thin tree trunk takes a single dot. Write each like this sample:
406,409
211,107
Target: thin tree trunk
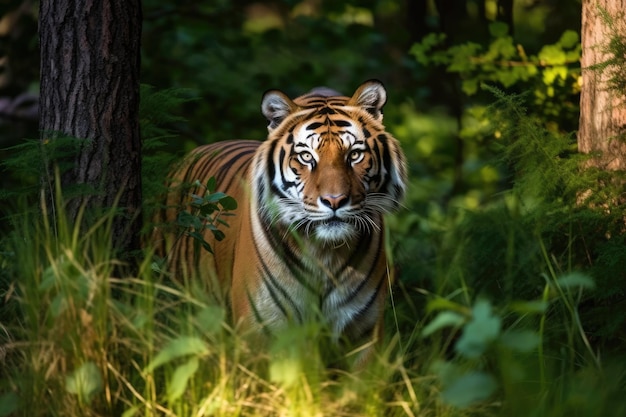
602,109
90,62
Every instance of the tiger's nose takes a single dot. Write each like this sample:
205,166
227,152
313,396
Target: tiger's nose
334,201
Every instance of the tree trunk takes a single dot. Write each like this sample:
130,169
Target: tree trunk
90,62
602,109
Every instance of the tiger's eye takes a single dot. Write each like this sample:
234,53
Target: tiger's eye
305,157
355,155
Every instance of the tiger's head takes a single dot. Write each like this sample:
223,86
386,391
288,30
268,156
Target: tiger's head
328,168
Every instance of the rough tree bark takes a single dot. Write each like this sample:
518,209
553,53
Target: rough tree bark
602,110
90,62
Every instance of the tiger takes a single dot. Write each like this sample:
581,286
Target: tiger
307,240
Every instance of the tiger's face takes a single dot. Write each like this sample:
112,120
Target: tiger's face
329,169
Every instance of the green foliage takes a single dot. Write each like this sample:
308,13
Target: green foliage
84,382
511,361
552,72
32,162
159,114
249,48
510,298
206,212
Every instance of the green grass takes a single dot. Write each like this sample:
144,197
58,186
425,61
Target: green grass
78,340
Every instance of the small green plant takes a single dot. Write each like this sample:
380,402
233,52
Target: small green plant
205,213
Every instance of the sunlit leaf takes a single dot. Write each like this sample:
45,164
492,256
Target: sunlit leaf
183,346
286,371
178,383
552,55
444,304
443,319
131,411
569,39
84,382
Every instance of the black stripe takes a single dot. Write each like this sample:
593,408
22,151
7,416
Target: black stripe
359,317
358,252
257,314
350,297
225,168
270,281
386,159
314,125
326,110
272,284
342,112
342,123
285,184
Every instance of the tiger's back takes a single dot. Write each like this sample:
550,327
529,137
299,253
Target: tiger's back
229,163
306,242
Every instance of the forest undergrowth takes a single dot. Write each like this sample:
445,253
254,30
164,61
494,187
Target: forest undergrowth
512,307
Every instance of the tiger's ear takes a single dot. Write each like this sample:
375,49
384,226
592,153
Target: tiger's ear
275,107
371,96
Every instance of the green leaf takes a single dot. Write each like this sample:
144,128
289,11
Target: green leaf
199,239
185,219
218,234
286,371
470,86
208,208
576,280
498,29
423,51
228,203
211,184
58,304
444,304
483,328
209,320
552,55
532,307
183,346
569,39
196,200
48,278
222,222
502,47
443,319
215,197
84,382
131,411
469,388
178,383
